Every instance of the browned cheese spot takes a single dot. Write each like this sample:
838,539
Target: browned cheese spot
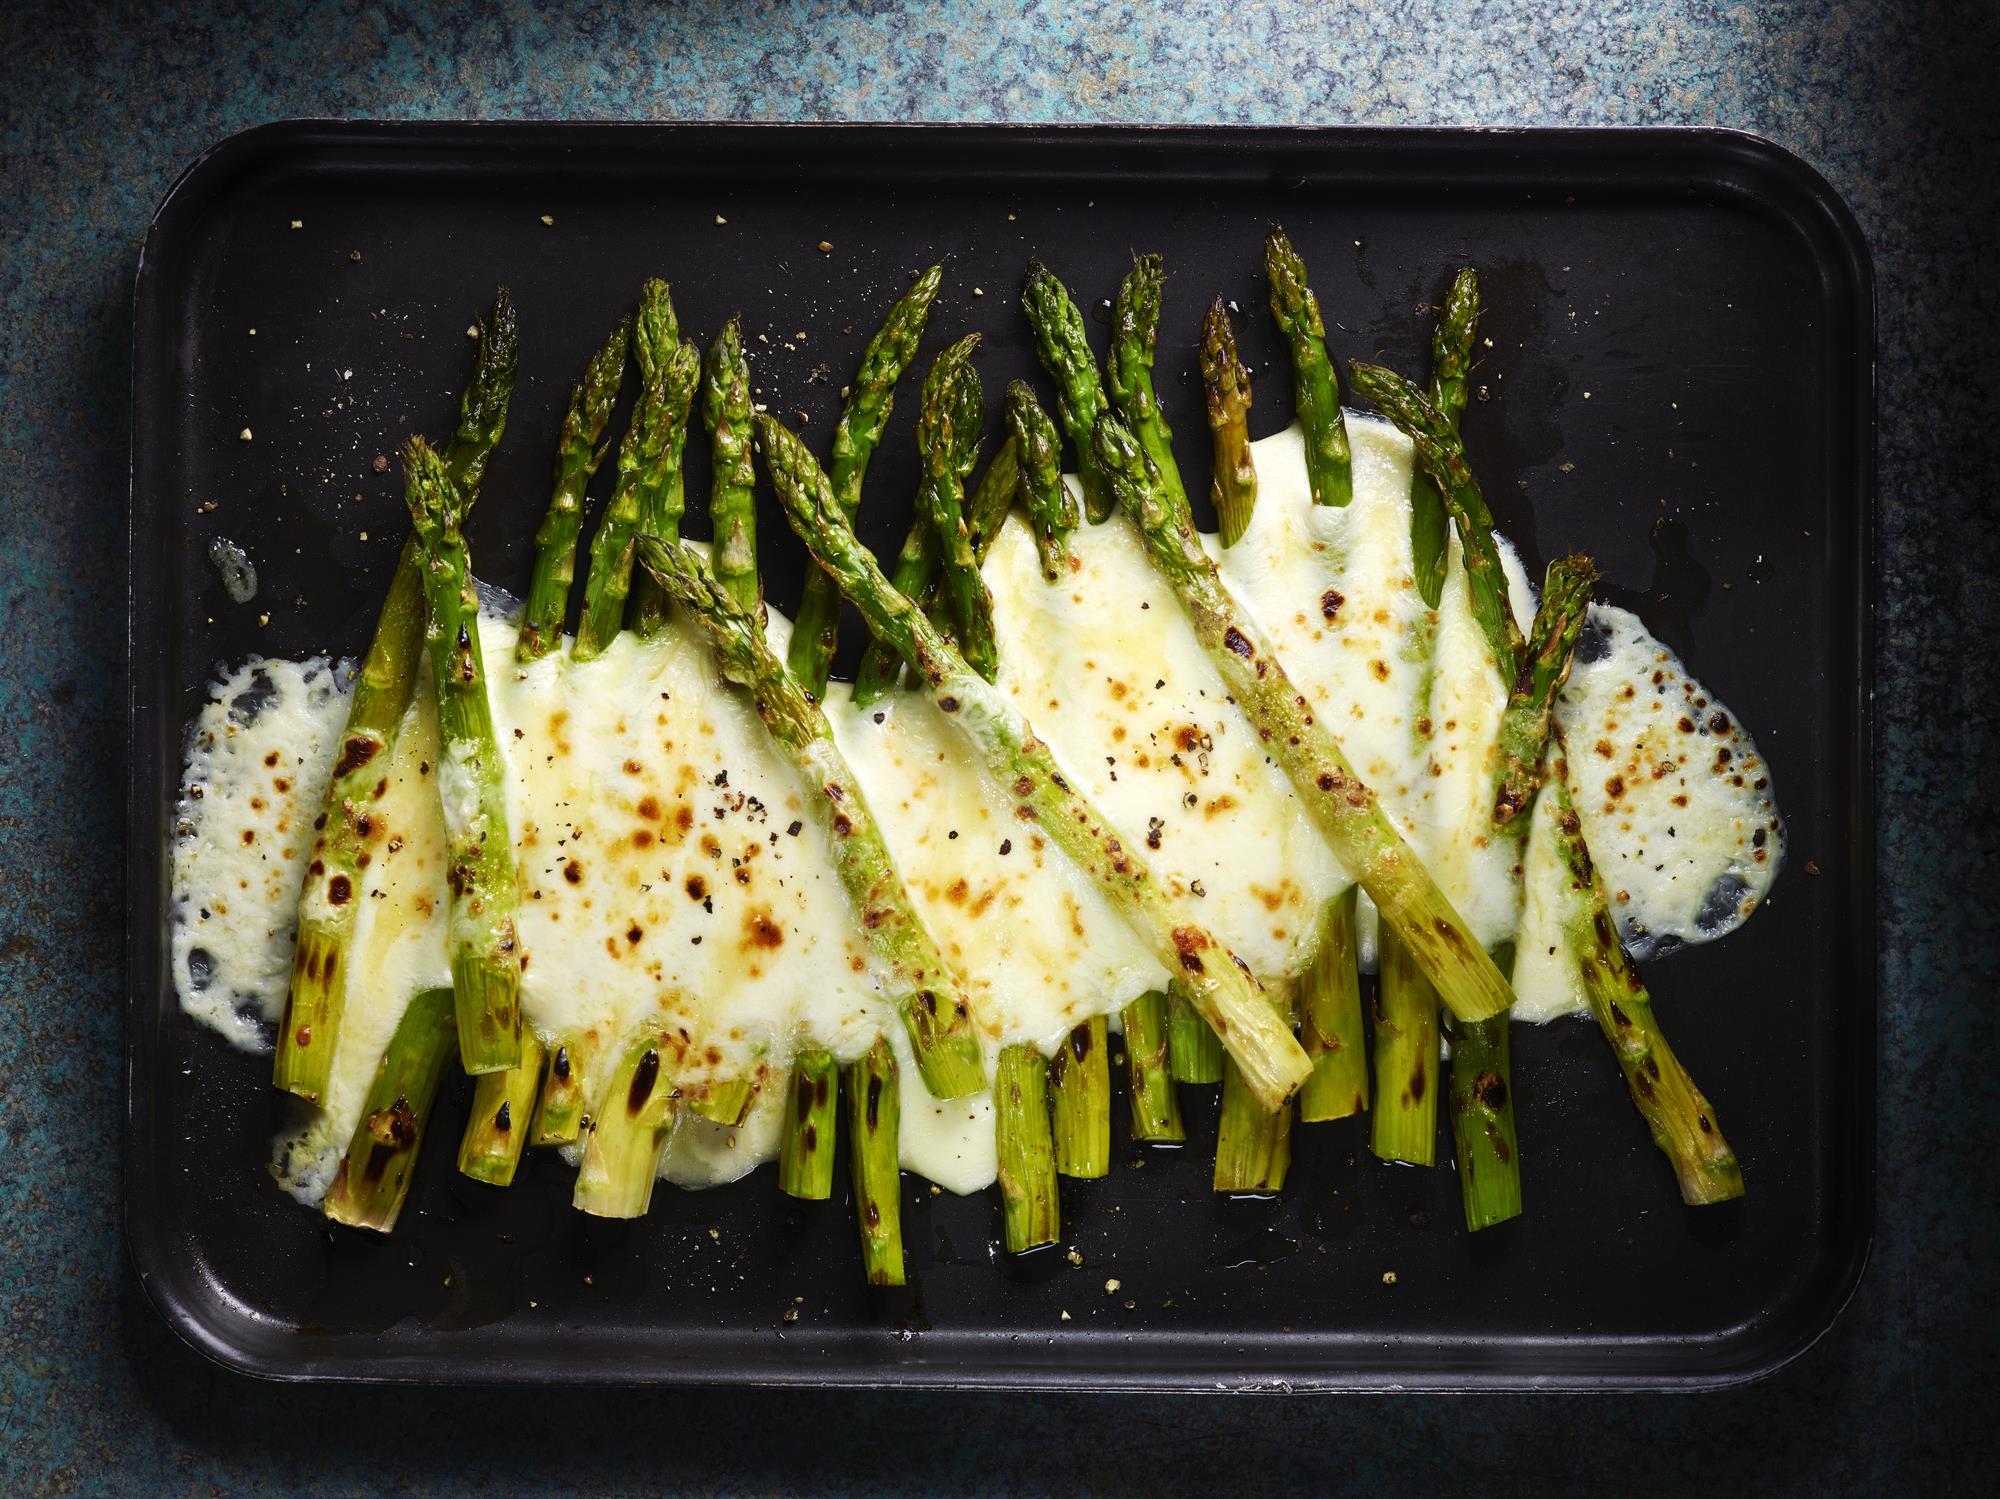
573,872
649,808
759,930
1330,602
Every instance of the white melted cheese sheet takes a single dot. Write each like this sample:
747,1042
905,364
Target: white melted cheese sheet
672,879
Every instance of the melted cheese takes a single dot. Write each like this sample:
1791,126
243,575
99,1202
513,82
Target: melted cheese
672,880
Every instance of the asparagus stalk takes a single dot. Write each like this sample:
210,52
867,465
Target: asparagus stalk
805,1151
927,995
725,1102
1050,507
1227,383
1030,1210
668,370
1194,1052
1403,1126
374,1178
1451,360
1063,346
874,1122
1330,1027
916,563
1220,987
941,502
566,1091
1135,331
1156,1107
1345,810
1253,1145
1080,1086
316,1002
660,518
732,499
578,453
1682,1123
621,1147
503,1110
1329,460
863,416
485,954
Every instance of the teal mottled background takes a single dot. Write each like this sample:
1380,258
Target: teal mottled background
101,107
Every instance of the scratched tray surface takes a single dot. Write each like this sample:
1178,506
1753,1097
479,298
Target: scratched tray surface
1678,383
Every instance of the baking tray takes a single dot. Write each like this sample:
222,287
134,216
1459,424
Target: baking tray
1679,382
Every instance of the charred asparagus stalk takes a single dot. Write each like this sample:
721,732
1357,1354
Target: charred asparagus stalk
668,369
1329,460
1050,507
578,453
503,1109
1029,1208
374,1178
1227,384
732,497
863,416
927,995
485,953
805,1149
316,1002
1080,1086
1230,1000
953,383
621,1148
874,1123
1063,346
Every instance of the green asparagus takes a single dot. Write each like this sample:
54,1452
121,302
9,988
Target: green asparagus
1451,360
941,502
621,1147
374,1177
1063,346
1156,1106
1030,1210
485,954
578,453
668,368
316,1002
503,1108
1080,1089
1329,460
1227,384
805,1150
1050,507
1128,373
863,416
732,500
874,1125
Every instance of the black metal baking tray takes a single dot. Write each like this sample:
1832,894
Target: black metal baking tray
1679,382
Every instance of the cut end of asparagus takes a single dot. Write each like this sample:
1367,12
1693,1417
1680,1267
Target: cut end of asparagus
502,1118
559,1114
723,1103
487,994
1030,1211
1253,1147
374,1178
306,1040
621,1151
1080,1084
1194,1051
805,1150
874,1125
1330,1013
1155,1103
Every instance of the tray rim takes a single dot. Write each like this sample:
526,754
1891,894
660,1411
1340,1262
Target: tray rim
223,1331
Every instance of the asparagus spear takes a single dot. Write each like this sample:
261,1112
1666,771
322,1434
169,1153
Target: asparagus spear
1330,1026
485,955
805,1154
927,995
1156,1106
1451,360
726,1102
815,633
668,369
566,1090
660,517
951,383
1407,1060
1345,810
621,1148
1194,1052
916,563
1227,383
1051,509
1080,1085
1135,331
317,999
578,453
1253,1145
503,1109
1682,1123
1224,991
874,1122
369,1188
1030,1211
1064,349
732,501
1329,461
